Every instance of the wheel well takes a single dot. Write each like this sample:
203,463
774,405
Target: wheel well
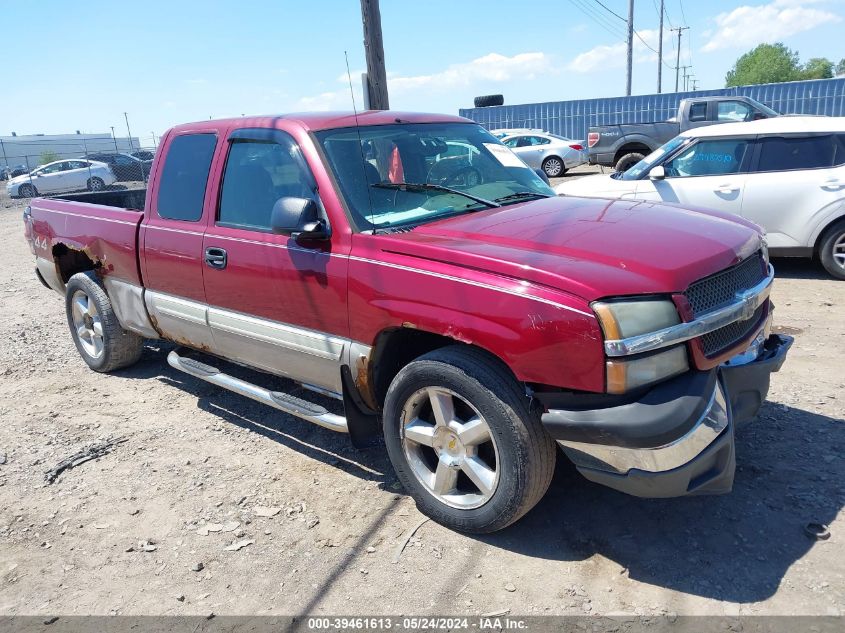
70,261
397,347
823,234
630,149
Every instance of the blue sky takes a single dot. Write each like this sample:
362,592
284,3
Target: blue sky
79,66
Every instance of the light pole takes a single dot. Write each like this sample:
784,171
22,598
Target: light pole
126,116
114,138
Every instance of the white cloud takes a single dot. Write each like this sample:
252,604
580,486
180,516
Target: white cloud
748,26
491,68
614,55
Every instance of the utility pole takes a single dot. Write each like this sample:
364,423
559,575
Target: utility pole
660,52
114,138
680,30
630,46
374,52
126,116
694,85
686,77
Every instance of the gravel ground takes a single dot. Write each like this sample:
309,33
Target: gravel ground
145,528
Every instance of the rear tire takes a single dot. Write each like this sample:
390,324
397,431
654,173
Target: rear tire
96,184
627,161
490,463
832,250
96,332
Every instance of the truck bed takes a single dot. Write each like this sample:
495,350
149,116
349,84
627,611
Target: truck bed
102,226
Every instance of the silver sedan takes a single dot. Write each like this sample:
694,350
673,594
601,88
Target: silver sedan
549,152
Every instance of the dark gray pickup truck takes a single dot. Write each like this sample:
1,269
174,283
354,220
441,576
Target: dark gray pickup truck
623,145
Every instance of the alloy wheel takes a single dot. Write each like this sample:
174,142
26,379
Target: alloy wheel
450,448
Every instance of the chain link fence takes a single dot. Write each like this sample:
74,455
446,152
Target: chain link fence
43,165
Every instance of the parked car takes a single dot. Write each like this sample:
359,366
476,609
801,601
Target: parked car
785,174
125,166
60,176
19,170
621,146
549,152
143,154
469,326
503,132
5,173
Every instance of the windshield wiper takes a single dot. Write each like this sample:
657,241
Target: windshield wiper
425,186
517,195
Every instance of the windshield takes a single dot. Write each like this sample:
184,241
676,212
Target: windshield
644,166
449,169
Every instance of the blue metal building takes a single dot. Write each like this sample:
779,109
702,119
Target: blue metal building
572,118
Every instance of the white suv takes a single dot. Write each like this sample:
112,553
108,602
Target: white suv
787,174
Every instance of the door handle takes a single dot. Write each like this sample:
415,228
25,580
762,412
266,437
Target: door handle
726,188
216,257
831,183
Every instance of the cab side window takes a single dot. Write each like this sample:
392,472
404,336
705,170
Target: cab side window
708,158
181,191
257,174
808,152
698,111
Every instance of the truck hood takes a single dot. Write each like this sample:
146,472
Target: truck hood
588,247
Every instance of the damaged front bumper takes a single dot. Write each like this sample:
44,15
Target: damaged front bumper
678,439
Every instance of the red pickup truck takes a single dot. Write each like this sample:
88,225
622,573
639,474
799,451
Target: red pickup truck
413,267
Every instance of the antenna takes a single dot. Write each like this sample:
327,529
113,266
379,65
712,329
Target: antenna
360,142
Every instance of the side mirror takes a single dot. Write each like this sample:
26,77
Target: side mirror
299,218
657,173
543,175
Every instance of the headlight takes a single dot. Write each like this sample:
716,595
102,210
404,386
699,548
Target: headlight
764,246
625,375
621,319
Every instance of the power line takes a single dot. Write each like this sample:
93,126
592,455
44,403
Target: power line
599,18
609,10
684,15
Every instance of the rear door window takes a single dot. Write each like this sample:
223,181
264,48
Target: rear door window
788,153
181,190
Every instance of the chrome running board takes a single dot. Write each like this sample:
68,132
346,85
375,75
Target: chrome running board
276,399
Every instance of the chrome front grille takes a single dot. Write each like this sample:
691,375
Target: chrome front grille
719,290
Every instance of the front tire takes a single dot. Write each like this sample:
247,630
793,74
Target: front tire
27,191
832,250
96,332
96,184
465,442
627,161
553,167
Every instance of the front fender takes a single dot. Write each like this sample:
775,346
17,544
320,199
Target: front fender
544,336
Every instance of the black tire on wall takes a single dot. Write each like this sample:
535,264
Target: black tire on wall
486,101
